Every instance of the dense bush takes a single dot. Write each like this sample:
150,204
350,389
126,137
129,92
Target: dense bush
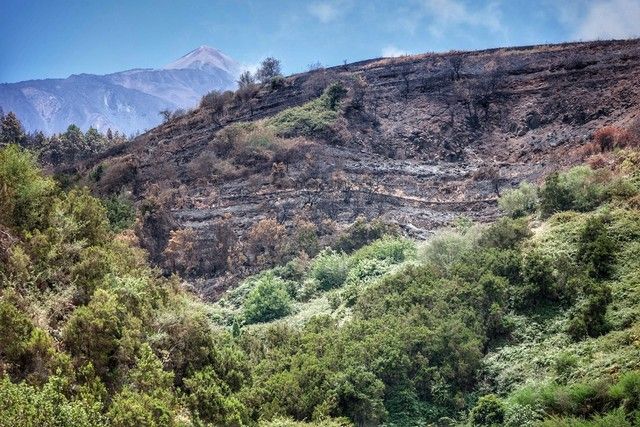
596,249
588,317
505,233
447,249
23,189
489,411
311,118
120,212
330,269
360,233
519,201
576,189
268,300
392,250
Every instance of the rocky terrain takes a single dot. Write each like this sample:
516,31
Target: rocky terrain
419,141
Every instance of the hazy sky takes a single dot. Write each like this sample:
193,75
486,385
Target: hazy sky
49,38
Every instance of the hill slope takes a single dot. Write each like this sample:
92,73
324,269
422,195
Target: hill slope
417,141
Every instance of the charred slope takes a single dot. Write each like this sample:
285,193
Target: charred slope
417,141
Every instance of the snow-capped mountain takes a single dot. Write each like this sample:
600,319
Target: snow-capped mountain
205,58
128,101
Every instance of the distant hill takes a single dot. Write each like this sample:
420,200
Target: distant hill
128,101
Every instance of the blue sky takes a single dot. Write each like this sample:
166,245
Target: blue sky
49,38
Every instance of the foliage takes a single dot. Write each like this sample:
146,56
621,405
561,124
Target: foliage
268,300
11,130
519,201
208,398
330,269
120,212
543,314
269,69
488,411
505,233
22,186
360,233
392,250
59,149
311,118
576,189
596,249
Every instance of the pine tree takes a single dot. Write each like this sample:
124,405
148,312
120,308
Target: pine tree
12,130
246,80
269,68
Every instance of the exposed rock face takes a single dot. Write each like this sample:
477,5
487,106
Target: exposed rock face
128,101
422,141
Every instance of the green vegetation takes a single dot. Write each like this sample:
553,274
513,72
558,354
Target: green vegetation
268,300
311,118
60,148
519,201
120,212
532,320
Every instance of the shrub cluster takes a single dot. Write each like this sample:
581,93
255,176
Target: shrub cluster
312,118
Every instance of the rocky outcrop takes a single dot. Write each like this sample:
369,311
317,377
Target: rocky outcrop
422,140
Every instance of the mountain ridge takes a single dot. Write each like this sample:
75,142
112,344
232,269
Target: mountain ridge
101,101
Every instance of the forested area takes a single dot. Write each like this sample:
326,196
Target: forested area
53,150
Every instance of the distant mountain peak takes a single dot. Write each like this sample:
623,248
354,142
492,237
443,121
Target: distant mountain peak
128,101
205,58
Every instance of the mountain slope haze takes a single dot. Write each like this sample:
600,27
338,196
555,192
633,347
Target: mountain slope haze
128,101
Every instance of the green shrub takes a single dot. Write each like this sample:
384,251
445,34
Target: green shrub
489,411
15,330
24,189
390,249
366,269
445,250
615,418
359,275
120,212
576,189
519,201
596,249
588,317
360,395
521,416
267,301
132,409
538,280
330,269
209,400
82,216
93,332
288,422
505,233
565,363
627,391
311,118
578,399
362,232
334,94
26,406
